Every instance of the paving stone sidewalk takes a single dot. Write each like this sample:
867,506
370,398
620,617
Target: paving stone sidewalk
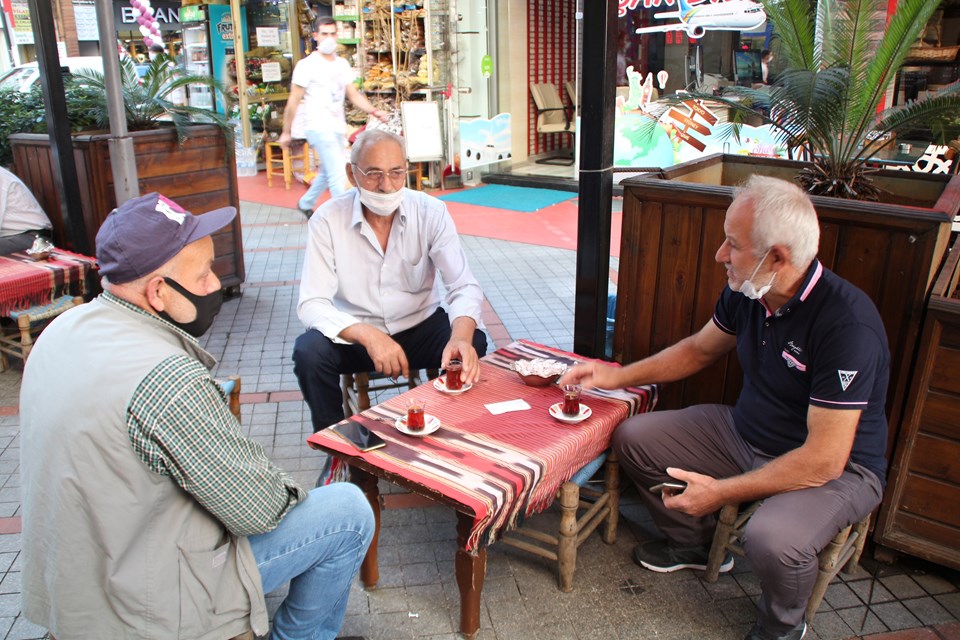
530,290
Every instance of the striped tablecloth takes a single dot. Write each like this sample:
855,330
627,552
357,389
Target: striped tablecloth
25,282
499,468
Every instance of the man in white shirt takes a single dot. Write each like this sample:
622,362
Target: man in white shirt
21,216
369,296
320,81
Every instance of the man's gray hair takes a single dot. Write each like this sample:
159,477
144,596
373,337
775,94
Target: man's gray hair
372,137
782,214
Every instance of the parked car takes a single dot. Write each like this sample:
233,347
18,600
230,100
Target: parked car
25,76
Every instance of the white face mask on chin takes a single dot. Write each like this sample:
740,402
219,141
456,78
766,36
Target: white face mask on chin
747,287
381,204
327,46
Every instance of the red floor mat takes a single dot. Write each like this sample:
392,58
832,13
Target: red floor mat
554,226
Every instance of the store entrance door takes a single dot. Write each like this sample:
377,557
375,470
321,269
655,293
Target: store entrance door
473,79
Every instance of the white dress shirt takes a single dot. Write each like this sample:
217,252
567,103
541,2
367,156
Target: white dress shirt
347,278
19,210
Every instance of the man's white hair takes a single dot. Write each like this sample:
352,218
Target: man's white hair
782,215
371,137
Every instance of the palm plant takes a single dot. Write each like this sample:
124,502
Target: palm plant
148,104
825,105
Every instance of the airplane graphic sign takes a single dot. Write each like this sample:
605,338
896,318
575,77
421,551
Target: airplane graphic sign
733,15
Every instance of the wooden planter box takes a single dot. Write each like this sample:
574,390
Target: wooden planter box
669,280
200,175
920,514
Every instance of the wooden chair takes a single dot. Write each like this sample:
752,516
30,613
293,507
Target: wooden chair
18,341
571,88
841,554
552,117
600,507
356,388
279,161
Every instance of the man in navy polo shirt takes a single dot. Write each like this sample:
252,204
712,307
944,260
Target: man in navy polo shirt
807,434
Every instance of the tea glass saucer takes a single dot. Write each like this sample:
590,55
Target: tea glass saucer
440,384
432,424
556,412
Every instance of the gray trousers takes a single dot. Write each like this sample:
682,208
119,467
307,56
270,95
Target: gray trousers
786,533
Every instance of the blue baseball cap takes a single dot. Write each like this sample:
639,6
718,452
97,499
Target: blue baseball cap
144,233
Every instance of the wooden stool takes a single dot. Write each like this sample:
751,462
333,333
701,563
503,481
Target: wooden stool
841,554
415,176
602,507
356,388
278,157
30,322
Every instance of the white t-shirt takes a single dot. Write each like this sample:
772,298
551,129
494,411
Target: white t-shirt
325,84
19,210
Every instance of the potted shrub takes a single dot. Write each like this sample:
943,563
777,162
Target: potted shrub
825,103
183,152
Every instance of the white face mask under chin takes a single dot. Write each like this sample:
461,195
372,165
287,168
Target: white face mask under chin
327,46
381,204
747,287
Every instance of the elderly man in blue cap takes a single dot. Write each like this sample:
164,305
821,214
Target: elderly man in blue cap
146,511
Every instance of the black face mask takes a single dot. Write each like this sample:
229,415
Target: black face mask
207,307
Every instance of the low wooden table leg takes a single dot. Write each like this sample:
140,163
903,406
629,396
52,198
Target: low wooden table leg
370,568
470,571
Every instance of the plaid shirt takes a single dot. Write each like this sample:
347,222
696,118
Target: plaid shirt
180,426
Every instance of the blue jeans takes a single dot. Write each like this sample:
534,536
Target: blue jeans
329,147
318,548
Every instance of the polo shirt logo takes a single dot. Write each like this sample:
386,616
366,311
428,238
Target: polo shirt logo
846,377
792,362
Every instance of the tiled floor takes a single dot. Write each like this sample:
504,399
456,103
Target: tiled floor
530,289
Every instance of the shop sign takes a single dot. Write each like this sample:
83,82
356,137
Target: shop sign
224,28
19,15
85,16
167,15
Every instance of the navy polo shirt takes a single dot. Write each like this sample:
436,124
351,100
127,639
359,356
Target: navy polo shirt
826,347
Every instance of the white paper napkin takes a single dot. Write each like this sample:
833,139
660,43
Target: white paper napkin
497,408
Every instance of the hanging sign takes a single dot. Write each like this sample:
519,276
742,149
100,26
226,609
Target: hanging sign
268,37
486,66
271,71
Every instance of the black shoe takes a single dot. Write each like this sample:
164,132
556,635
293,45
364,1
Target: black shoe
757,633
662,557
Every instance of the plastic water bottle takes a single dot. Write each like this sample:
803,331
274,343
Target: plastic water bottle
246,156
246,162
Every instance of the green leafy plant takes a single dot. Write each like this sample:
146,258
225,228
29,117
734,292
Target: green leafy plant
148,104
24,112
839,61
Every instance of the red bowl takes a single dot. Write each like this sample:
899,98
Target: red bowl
538,381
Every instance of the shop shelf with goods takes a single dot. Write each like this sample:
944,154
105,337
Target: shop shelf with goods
276,35
399,46
347,15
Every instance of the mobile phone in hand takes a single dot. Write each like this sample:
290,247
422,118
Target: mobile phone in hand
673,487
359,436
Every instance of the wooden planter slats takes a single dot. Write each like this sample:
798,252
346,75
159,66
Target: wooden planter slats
199,175
920,514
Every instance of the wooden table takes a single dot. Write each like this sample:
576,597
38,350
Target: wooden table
25,282
493,470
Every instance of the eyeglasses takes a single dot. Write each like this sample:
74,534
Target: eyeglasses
376,175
